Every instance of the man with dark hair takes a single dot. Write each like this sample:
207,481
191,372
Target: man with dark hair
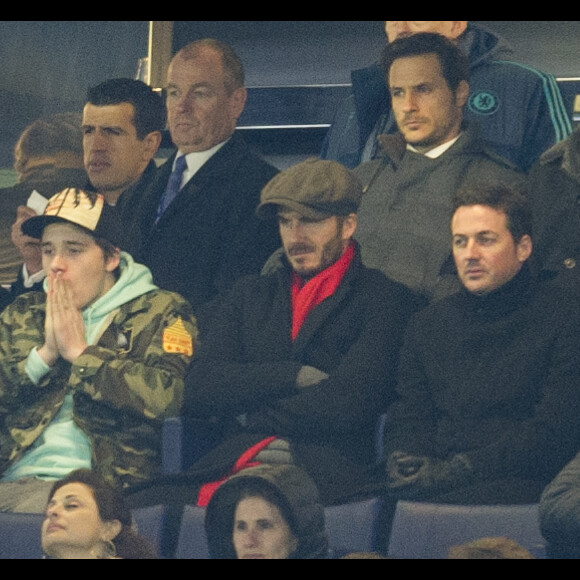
199,229
123,121
122,124
148,109
519,109
488,378
405,210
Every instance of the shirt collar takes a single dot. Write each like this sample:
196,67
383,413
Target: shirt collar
437,151
195,161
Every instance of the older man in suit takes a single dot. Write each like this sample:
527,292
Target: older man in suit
199,228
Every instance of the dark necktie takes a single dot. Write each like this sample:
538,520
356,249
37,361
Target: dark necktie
173,186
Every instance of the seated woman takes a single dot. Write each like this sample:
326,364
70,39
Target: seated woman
86,518
269,512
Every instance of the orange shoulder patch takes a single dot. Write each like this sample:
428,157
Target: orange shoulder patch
177,340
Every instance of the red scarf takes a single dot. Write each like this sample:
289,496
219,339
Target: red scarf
306,296
244,462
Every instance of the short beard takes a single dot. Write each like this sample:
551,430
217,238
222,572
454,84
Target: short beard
331,253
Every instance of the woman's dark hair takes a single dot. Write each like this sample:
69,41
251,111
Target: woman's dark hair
111,504
454,64
269,493
287,487
220,516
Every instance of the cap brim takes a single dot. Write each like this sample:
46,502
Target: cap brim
270,209
34,226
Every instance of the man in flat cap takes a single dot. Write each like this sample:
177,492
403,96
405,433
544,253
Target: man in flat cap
298,365
91,366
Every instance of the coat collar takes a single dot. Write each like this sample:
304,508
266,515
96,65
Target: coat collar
509,298
566,154
227,156
394,146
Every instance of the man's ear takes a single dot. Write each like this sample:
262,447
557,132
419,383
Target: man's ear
462,93
113,261
349,226
238,102
152,143
525,248
458,28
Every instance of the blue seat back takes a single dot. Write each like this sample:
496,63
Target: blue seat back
150,523
192,542
427,531
352,527
20,536
185,441
20,533
171,446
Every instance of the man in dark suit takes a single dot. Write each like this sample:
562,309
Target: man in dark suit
201,233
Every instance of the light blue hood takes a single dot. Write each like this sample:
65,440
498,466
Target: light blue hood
134,281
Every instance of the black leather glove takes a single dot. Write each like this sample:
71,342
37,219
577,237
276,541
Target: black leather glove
411,476
401,465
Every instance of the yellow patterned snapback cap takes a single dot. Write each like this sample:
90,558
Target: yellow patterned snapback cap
87,210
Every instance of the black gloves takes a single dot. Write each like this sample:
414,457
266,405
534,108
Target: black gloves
411,477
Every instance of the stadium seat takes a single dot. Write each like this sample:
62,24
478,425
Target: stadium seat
171,444
184,441
20,533
352,527
20,536
427,531
150,523
192,543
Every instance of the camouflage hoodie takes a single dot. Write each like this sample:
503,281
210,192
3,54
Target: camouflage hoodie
123,386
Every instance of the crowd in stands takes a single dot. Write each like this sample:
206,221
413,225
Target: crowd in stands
419,274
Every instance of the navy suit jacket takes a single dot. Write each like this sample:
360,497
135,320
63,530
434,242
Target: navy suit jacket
210,235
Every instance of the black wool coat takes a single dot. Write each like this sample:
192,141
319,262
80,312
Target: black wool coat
554,194
494,377
247,365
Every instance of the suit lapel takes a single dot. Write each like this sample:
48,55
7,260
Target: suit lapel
209,175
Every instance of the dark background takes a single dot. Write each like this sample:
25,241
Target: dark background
47,66
295,52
